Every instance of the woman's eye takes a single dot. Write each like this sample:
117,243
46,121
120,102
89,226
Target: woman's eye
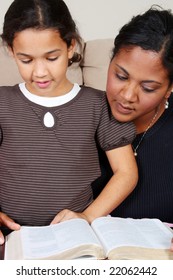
52,58
148,89
121,77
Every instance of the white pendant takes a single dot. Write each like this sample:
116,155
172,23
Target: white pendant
135,154
49,120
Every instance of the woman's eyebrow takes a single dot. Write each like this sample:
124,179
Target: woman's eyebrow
144,81
151,81
53,51
124,70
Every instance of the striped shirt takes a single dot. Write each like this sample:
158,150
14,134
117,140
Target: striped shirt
44,170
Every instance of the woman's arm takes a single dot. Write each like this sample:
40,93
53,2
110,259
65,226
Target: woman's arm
121,184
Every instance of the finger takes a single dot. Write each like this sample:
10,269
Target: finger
8,222
12,225
64,215
58,218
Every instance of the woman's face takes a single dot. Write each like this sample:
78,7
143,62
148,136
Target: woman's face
137,84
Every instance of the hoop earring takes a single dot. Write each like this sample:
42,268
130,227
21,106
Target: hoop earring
166,104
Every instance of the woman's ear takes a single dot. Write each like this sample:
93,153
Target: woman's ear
169,91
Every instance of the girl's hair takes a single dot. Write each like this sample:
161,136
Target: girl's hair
40,14
153,30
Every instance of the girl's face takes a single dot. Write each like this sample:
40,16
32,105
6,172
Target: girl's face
137,85
42,59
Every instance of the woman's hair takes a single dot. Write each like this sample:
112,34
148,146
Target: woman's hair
153,31
40,15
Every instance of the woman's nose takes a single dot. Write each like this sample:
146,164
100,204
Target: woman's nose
129,92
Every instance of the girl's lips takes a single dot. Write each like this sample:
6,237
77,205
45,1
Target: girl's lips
123,109
43,84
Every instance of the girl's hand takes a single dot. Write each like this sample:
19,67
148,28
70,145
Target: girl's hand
9,223
65,215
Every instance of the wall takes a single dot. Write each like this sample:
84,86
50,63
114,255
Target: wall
101,18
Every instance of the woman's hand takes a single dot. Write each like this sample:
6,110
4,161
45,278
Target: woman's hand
9,223
65,215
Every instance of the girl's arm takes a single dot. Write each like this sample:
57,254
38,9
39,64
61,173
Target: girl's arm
121,184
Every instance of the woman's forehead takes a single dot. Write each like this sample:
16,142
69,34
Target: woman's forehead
138,61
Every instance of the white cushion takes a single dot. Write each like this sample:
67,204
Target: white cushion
97,55
9,74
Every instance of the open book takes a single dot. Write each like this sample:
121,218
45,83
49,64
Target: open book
107,237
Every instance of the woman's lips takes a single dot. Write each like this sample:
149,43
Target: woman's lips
124,109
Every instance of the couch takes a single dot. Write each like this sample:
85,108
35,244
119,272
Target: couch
91,71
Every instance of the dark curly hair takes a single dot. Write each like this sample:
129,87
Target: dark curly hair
40,14
152,30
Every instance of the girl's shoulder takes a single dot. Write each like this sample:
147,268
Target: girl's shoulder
93,92
5,90
93,95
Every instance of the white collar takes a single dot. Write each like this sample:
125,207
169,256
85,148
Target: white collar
50,101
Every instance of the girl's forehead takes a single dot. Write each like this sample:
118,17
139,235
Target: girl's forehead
34,32
32,39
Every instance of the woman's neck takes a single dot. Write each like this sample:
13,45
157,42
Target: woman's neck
145,122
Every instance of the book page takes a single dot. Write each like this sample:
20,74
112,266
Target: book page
13,246
39,242
146,233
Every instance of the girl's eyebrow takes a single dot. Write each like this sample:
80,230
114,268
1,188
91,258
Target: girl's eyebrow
23,54
28,55
144,81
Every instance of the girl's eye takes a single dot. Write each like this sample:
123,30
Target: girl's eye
26,61
121,77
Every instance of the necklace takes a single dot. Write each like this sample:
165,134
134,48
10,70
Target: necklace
143,135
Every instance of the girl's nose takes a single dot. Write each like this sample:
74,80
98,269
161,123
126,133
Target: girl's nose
40,69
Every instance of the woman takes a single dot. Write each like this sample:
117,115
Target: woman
139,84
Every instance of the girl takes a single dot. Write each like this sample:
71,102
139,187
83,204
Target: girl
50,128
